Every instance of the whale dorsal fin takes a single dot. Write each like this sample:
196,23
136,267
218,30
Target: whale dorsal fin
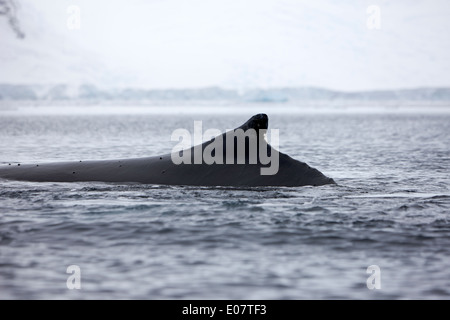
257,122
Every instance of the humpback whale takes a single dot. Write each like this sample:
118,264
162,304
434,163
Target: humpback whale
163,170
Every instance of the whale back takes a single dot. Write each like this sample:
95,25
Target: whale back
162,169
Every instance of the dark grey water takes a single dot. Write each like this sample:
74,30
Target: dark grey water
391,208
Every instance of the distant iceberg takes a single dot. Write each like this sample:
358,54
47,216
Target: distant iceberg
91,93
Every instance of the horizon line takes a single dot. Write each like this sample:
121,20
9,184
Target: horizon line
122,87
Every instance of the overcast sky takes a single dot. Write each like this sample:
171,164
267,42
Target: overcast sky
230,43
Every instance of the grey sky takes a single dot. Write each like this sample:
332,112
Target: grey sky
232,43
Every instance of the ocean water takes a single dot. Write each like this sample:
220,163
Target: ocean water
390,208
